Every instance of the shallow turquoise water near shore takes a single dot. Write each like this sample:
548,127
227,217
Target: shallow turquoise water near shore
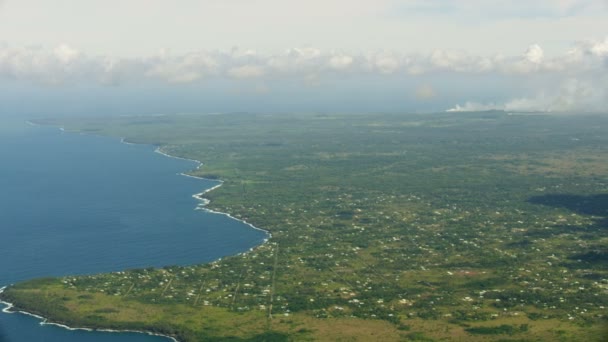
82,204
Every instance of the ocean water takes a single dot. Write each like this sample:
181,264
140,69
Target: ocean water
83,204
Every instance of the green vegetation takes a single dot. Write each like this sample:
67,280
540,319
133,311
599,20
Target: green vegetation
469,226
499,330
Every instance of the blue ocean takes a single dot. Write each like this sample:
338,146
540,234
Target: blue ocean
84,204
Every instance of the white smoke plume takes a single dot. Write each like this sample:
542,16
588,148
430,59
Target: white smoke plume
572,95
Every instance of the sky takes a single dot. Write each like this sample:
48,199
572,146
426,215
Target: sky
160,56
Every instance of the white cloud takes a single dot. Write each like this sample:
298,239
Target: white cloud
246,71
595,47
534,54
340,62
461,62
386,63
65,53
67,64
35,64
181,69
115,71
295,61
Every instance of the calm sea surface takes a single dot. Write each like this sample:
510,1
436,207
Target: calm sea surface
81,204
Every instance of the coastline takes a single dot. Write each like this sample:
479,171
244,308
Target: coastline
44,321
205,201
198,196
201,206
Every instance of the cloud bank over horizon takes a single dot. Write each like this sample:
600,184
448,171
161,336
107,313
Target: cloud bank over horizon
384,55
65,64
577,78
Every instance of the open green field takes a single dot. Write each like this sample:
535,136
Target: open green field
469,226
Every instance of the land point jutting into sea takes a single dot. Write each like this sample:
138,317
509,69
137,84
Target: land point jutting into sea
476,226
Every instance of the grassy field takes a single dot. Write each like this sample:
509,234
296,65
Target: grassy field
470,226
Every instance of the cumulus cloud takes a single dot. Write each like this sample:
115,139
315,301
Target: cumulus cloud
246,71
593,47
386,63
340,62
181,69
64,64
65,54
459,61
534,54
